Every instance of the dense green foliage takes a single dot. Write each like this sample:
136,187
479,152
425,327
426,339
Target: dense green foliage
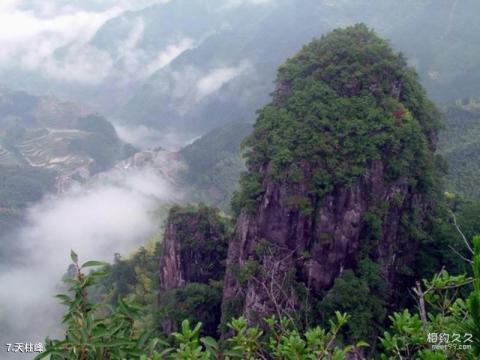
196,302
343,102
135,278
367,308
93,332
443,312
202,234
443,246
93,336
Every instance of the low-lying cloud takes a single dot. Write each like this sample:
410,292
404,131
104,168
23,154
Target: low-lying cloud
53,39
31,40
216,78
97,222
145,138
167,56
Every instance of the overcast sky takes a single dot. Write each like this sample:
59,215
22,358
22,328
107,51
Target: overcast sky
32,30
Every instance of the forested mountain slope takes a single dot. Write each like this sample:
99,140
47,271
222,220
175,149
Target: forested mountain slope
232,67
460,146
214,163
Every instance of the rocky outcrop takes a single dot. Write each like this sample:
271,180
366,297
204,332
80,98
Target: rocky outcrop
316,248
329,185
194,247
192,265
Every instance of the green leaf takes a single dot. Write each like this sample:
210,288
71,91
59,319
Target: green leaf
98,274
73,256
49,352
209,342
143,338
119,343
93,263
361,344
63,297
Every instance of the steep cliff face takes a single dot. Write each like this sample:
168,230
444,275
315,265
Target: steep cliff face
316,248
194,247
339,172
192,266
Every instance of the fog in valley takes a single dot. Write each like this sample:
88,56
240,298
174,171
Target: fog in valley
96,222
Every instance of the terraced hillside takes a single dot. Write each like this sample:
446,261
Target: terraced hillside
51,148
7,157
50,134
45,144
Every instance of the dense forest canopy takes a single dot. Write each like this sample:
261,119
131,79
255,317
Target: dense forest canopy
343,102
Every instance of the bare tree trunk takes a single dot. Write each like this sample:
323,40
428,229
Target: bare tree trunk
421,303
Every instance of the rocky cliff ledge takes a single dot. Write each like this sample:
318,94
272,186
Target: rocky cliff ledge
194,247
